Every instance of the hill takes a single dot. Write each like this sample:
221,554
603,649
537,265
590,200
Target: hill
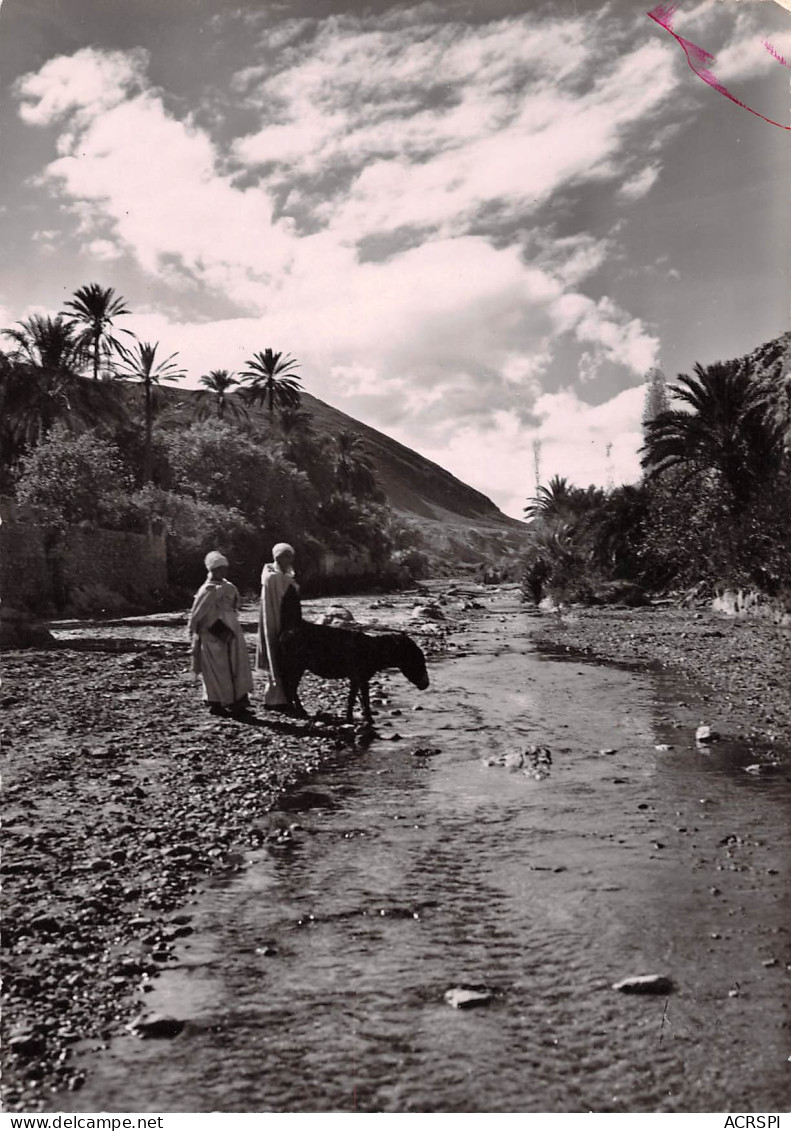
459,525
453,517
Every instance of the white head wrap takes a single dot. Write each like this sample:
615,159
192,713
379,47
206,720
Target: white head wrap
214,559
281,548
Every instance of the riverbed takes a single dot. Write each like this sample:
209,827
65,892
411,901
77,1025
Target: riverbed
315,975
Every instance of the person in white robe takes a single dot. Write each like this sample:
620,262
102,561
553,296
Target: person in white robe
219,651
279,609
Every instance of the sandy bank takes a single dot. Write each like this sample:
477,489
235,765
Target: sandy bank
738,670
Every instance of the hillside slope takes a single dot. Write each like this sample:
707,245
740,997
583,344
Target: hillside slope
458,524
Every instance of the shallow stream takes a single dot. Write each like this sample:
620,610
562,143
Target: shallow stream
315,978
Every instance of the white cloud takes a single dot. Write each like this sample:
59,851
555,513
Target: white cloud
450,337
86,84
585,444
104,250
640,184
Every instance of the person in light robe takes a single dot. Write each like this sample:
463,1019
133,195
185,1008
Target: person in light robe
219,651
280,609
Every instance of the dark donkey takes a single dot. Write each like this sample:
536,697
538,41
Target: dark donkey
343,653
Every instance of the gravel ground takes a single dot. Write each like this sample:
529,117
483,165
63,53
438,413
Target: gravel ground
739,670
121,795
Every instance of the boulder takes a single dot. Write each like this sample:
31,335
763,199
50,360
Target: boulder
644,984
704,734
620,593
153,1026
19,630
337,614
427,612
461,998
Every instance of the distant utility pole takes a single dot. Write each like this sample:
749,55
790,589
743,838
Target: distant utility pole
610,470
537,463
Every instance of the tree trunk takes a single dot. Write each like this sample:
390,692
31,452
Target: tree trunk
147,460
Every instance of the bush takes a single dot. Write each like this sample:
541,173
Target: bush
218,464
79,478
194,527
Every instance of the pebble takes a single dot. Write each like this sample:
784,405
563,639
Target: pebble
644,984
461,998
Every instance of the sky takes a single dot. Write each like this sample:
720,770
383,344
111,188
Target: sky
477,224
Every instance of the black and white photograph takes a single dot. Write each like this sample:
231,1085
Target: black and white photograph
395,558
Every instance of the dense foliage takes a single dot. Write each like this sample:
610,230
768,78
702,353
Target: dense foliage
713,508
238,465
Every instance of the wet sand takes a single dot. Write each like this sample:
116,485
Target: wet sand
738,669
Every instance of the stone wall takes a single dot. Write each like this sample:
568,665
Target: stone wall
77,570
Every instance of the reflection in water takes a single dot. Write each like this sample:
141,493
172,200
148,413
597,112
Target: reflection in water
316,979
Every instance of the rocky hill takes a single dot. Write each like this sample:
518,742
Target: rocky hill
459,525
455,519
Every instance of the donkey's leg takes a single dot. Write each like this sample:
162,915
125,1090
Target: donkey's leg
291,677
366,701
354,687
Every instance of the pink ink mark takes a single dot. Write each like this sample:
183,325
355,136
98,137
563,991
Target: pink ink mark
699,59
774,53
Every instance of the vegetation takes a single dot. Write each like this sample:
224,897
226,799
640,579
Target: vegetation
713,507
214,399
208,466
76,479
140,364
92,310
270,380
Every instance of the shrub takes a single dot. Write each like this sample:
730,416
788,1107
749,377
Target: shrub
194,527
79,478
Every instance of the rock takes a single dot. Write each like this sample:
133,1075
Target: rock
26,1044
425,751
644,984
152,1026
19,630
620,592
461,998
427,612
704,734
337,614
763,768
663,747
608,750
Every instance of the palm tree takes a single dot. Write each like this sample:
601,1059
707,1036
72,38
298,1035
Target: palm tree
140,364
726,432
353,468
41,382
295,422
271,380
616,528
94,308
556,500
214,399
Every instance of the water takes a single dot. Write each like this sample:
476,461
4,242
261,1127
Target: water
416,874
